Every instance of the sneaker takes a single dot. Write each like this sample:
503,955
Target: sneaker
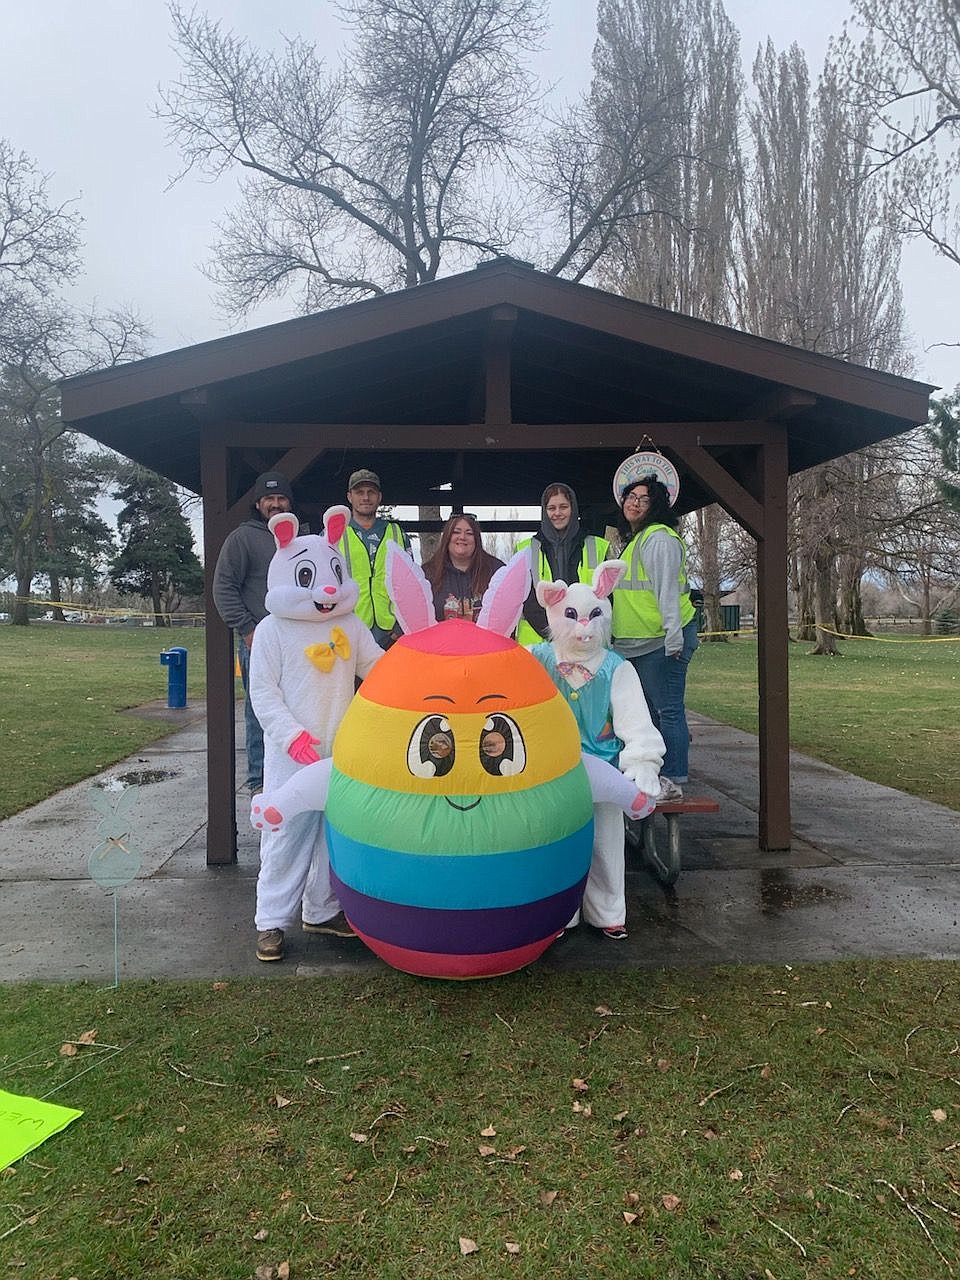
615,931
669,791
270,944
338,927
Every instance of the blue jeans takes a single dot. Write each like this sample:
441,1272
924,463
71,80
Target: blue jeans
252,733
664,683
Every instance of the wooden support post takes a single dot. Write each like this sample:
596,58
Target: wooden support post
772,671
221,703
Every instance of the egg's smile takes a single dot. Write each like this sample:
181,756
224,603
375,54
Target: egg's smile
462,807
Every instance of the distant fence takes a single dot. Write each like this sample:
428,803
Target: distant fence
42,610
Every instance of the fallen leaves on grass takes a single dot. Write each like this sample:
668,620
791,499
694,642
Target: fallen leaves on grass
939,1115
670,1202
468,1246
511,1246
487,1151
360,1137
580,1085
488,1132
547,1198
630,1218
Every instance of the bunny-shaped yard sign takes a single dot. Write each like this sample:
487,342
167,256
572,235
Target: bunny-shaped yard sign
115,861
459,807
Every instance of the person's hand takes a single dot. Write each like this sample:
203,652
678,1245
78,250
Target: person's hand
248,638
302,750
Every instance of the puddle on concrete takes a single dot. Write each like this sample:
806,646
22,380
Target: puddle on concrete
140,777
779,892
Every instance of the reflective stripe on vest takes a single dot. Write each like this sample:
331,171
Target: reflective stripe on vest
636,611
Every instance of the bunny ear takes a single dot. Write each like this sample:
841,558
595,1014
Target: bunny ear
335,520
409,591
127,800
606,577
284,526
503,599
550,593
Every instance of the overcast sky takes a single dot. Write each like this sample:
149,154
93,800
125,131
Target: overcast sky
78,80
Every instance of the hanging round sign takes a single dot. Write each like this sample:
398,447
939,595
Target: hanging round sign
647,463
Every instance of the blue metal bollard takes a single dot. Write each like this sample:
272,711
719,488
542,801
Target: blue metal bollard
175,660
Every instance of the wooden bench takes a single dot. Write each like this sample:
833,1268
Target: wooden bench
644,837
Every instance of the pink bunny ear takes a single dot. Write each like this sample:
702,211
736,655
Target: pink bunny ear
606,577
503,599
550,593
284,526
409,591
335,520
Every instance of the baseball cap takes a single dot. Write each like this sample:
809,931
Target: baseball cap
364,476
272,482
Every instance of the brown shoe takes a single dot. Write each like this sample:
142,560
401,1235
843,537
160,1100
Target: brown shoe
270,944
338,927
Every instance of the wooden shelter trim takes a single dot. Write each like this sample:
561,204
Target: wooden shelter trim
513,437
480,291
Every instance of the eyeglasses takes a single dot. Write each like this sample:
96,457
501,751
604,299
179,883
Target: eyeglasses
638,498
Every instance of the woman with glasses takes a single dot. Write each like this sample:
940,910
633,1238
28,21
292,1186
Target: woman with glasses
654,623
559,552
460,570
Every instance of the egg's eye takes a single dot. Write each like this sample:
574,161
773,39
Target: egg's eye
337,569
432,748
306,572
570,613
502,752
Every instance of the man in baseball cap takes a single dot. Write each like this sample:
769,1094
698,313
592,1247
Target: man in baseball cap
364,548
239,588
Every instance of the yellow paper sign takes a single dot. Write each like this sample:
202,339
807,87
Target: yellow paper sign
26,1122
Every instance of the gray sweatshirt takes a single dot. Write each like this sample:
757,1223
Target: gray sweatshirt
240,578
661,559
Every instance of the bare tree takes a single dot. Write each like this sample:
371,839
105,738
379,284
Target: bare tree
675,251
905,79
818,266
367,178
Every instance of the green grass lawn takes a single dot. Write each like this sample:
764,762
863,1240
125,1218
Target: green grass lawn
886,710
62,688
736,1124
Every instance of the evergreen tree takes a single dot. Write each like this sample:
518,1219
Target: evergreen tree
156,560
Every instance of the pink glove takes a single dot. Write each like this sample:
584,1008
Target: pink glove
301,749
643,805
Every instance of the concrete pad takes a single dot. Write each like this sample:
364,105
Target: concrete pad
872,872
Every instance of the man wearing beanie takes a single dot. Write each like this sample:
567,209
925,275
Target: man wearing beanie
239,587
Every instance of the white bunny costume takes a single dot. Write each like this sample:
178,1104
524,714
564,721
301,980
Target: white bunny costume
305,658
605,695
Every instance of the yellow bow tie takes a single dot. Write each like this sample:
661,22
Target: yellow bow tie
322,655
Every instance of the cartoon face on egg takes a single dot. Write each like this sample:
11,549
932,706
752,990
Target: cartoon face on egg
459,817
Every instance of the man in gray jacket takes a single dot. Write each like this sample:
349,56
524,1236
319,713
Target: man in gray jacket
239,587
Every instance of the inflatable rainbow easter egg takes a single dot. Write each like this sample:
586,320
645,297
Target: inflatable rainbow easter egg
459,815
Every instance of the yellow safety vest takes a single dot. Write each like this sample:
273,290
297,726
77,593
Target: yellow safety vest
636,613
373,606
595,551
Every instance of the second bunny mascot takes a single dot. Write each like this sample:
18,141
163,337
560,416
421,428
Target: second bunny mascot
305,659
604,693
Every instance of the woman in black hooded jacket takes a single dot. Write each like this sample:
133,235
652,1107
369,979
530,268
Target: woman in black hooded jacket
560,552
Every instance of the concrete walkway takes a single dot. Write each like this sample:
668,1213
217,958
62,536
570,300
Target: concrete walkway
872,872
